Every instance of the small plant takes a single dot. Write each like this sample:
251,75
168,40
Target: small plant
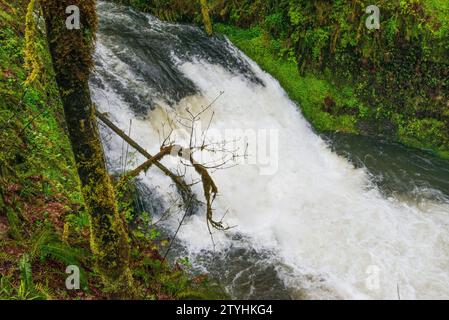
26,289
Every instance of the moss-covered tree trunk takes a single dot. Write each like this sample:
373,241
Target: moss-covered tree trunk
206,17
71,52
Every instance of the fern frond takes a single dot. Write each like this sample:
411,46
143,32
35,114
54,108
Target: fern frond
61,252
26,275
5,288
40,239
6,257
67,255
44,291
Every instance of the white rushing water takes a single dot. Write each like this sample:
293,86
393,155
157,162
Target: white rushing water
330,233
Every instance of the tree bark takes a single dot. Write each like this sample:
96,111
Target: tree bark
206,17
71,52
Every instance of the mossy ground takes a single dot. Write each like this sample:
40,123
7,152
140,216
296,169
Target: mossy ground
44,226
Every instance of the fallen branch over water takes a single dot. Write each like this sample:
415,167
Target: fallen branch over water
210,189
183,188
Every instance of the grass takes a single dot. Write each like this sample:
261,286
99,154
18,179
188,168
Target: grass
440,9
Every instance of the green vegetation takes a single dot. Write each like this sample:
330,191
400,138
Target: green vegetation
392,82
308,90
44,223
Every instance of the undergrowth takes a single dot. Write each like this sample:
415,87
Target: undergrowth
44,227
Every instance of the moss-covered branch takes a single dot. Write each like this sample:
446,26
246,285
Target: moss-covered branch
182,186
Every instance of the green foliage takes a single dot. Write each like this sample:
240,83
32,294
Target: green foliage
26,277
79,221
26,289
275,24
178,283
33,135
308,90
46,245
47,221
63,253
424,133
14,224
36,157
144,228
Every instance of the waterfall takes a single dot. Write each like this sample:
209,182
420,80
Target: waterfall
308,224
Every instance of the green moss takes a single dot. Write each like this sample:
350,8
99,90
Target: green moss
206,17
33,133
33,64
425,134
346,110
38,180
308,90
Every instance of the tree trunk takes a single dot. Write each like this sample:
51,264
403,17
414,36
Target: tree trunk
71,52
206,17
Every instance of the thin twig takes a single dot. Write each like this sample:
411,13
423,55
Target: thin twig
177,230
125,165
